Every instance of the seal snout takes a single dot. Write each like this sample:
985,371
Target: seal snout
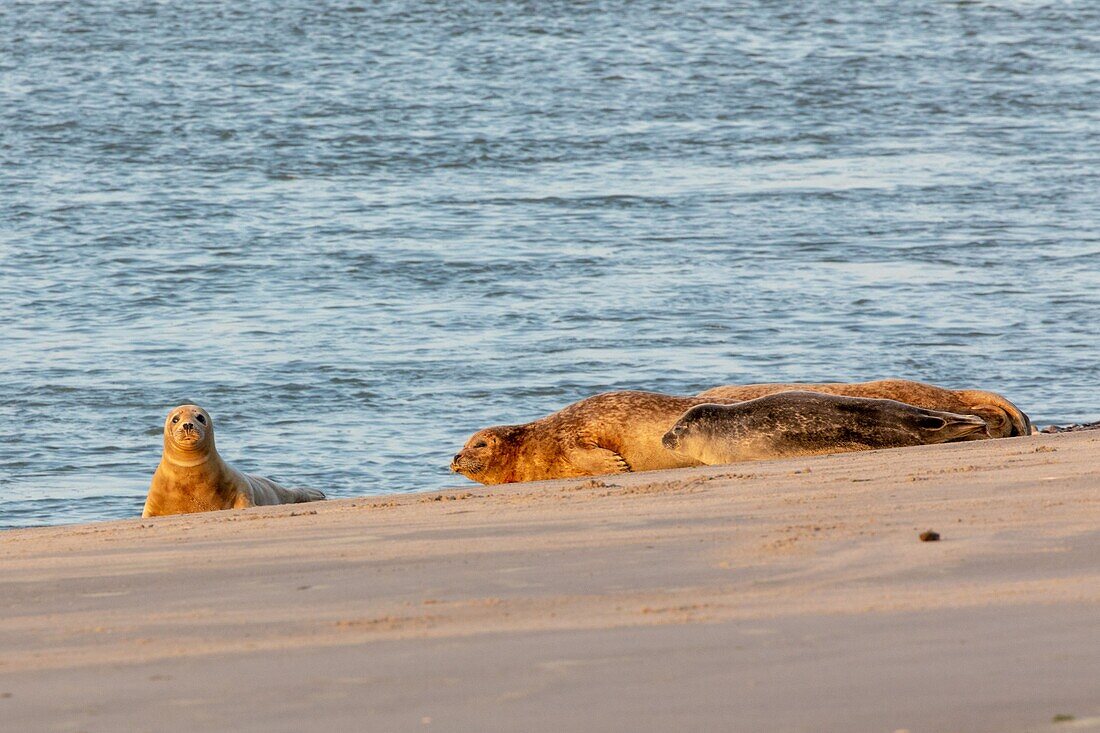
671,439
188,433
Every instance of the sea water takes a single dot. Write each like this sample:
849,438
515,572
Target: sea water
358,231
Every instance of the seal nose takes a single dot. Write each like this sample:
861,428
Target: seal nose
457,458
189,426
670,439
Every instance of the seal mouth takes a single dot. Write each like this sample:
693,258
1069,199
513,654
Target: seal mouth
467,467
187,436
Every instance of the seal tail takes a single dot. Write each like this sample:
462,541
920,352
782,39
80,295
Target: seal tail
945,427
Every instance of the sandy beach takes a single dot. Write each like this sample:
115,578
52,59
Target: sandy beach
776,596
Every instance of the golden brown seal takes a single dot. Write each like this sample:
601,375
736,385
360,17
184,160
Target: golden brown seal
799,423
192,477
614,432
1003,418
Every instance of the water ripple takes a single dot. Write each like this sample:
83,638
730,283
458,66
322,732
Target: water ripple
358,232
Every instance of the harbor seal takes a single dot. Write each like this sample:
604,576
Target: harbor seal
192,477
613,432
1003,418
800,423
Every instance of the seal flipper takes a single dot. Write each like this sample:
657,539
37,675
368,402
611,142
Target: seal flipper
304,495
297,496
947,427
596,461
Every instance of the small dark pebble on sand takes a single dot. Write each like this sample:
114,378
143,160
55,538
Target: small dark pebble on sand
929,536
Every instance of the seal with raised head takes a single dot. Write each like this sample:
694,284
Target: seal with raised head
799,423
192,477
613,432
1003,419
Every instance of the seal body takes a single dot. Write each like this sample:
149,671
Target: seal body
192,477
1002,418
613,432
800,423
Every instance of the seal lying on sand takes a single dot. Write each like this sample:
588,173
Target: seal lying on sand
1003,418
192,477
799,423
614,432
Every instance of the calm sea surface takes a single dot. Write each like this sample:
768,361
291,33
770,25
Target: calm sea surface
356,231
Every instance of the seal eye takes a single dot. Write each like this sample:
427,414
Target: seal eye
481,444
201,419
175,419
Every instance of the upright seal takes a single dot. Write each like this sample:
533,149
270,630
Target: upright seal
795,423
192,477
1004,419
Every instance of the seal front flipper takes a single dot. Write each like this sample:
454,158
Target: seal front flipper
596,461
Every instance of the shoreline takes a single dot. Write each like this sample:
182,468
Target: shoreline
138,499
639,601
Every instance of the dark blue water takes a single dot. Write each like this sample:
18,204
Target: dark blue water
356,232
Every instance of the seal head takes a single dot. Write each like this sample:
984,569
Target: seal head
489,456
188,435
701,420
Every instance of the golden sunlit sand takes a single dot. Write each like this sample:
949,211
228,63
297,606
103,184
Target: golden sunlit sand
782,595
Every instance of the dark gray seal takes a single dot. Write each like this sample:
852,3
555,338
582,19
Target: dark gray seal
799,423
1002,418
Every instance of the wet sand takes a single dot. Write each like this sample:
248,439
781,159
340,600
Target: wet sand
778,596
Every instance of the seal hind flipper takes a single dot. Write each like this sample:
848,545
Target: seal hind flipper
304,495
952,427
